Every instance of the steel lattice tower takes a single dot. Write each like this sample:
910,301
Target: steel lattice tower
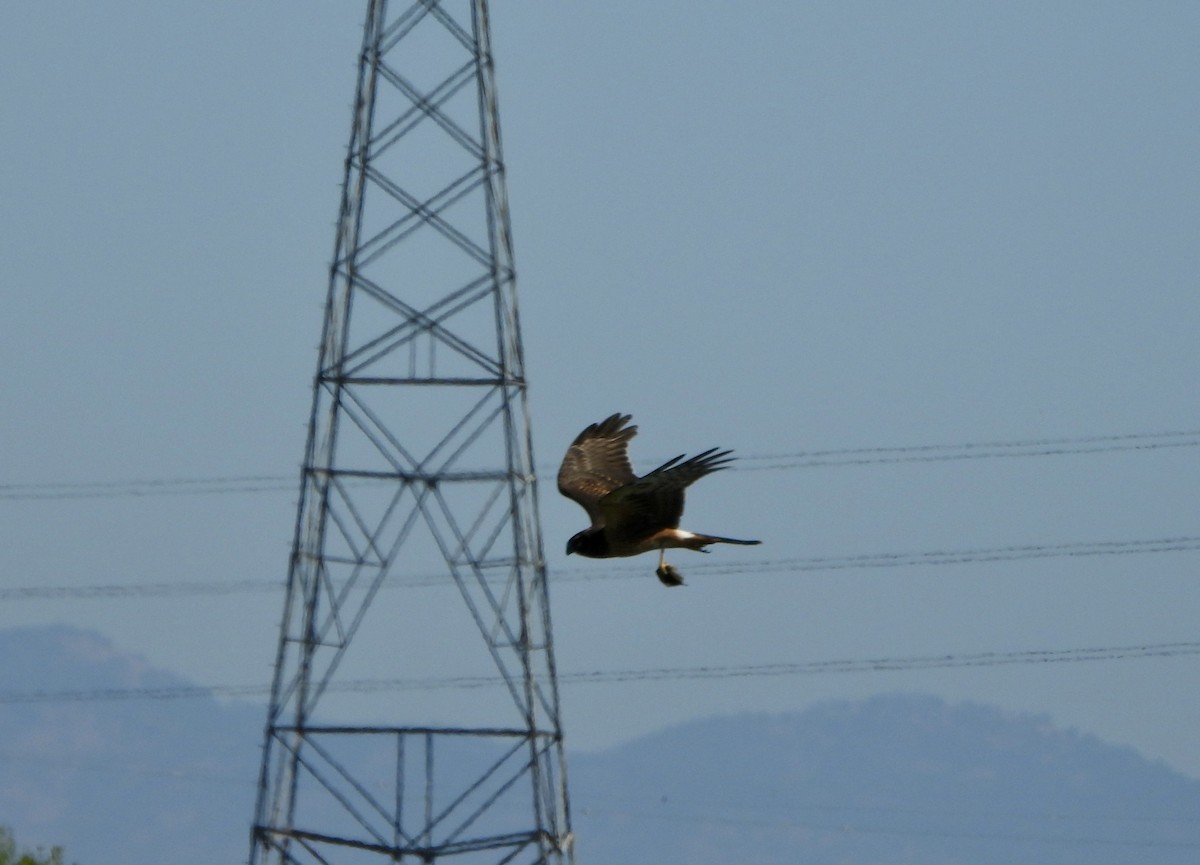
417,495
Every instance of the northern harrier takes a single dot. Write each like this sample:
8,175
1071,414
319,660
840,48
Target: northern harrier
631,514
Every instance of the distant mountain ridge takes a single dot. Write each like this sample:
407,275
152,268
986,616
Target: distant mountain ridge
892,779
119,781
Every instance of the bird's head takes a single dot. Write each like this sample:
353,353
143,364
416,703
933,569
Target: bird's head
590,542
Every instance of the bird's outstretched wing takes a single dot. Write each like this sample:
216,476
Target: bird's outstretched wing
597,463
655,501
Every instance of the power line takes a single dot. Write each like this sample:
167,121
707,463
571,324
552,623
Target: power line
891,664
976,450
1045,447
592,677
999,835
1012,552
140,590
148,487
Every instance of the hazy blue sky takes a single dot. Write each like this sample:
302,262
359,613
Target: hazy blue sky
787,228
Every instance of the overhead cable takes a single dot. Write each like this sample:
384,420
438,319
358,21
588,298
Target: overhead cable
1011,552
591,677
746,462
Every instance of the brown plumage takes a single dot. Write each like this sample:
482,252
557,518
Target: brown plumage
631,514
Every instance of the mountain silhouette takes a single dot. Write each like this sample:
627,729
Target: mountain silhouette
892,779
120,781
896,778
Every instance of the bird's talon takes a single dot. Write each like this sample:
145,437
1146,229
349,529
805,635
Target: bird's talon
668,575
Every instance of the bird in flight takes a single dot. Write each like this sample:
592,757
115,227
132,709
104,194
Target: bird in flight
631,514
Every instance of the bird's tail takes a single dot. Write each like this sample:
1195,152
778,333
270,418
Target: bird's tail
700,541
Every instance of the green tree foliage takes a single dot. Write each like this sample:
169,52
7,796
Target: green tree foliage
9,855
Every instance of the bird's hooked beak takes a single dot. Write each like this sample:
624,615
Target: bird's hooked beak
572,544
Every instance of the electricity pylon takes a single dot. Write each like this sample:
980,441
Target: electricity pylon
417,529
